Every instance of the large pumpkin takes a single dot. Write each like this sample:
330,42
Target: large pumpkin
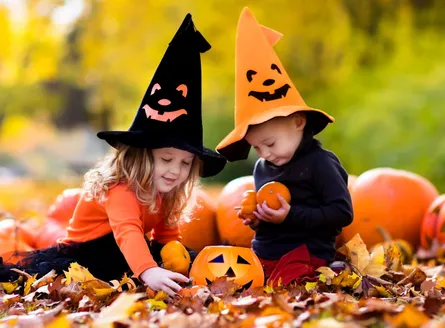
433,225
231,229
351,181
237,263
200,231
49,233
10,237
393,199
63,208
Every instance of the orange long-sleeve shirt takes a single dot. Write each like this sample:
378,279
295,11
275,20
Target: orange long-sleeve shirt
129,221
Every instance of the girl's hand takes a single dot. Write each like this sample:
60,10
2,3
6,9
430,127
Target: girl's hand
265,213
160,279
251,223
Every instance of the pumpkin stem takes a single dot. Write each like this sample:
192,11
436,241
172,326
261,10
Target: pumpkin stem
386,236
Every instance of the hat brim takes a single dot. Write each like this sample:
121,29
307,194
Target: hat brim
234,147
213,163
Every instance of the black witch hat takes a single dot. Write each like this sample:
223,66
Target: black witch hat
170,112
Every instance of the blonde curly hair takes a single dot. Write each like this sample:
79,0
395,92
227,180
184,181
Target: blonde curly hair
134,167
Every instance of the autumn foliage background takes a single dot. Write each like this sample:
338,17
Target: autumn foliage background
71,68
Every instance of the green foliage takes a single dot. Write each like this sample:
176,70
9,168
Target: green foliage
376,65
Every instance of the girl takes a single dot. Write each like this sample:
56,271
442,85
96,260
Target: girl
144,186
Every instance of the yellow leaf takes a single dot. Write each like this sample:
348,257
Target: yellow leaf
161,296
378,255
104,291
28,284
440,282
216,307
327,272
344,279
60,322
410,317
383,291
156,305
358,252
310,286
9,287
322,278
118,310
375,270
268,289
77,273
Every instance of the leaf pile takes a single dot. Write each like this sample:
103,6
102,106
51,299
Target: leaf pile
362,290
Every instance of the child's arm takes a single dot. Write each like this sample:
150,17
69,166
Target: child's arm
336,211
163,233
124,215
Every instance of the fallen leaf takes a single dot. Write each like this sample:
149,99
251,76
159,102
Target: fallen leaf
410,317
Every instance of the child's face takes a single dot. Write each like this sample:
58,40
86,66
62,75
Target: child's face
171,167
277,140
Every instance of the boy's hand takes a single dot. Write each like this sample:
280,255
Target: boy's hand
249,222
265,213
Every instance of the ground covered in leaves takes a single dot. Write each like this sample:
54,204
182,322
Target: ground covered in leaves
363,290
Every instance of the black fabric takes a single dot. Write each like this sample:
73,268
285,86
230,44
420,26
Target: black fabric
101,256
320,203
170,112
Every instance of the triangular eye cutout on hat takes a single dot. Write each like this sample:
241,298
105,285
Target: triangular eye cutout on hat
170,112
263,89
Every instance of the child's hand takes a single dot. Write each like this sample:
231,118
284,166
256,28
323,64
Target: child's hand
267,214
249,222
160,279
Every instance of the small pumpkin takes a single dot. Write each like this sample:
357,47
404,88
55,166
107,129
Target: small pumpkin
248,204
268,193
237,263
402,245
175,257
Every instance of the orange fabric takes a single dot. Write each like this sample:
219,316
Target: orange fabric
129,221
259,71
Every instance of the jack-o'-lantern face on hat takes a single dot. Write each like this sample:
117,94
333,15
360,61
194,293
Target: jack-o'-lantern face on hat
271,88
167,105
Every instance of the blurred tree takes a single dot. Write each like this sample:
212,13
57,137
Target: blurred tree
375,65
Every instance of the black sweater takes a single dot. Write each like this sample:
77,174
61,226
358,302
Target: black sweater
320,203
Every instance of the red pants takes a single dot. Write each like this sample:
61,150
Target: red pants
298,265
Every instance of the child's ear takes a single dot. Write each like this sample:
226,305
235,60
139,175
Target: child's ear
300,121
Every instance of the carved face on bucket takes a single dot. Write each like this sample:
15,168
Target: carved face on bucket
167,105
272,88
237,263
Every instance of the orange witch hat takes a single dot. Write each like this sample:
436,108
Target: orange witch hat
263,89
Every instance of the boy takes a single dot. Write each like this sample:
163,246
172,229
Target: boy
271,116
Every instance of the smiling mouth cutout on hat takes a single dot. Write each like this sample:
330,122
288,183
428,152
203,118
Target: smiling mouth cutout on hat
278,93
163,113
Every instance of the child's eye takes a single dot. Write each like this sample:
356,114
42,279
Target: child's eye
166,160
273,143
186,163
